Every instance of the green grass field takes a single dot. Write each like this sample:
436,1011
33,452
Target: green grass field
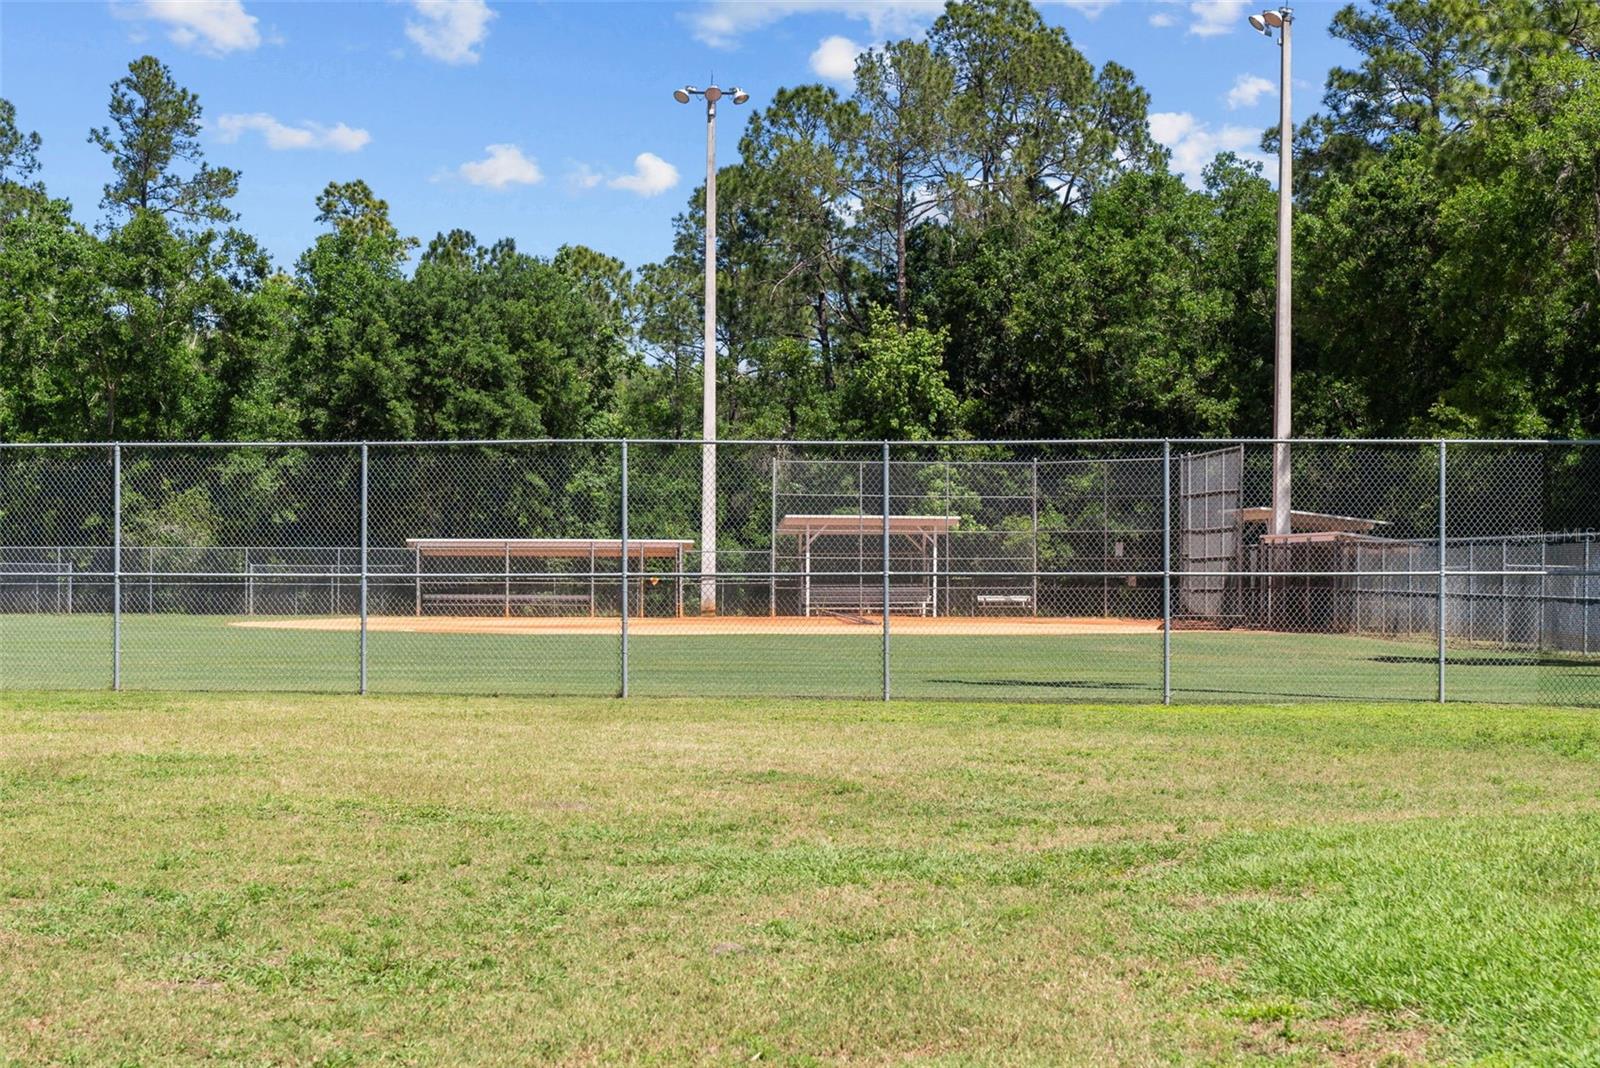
173,652
418,880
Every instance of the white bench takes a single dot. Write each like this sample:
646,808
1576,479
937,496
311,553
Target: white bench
869,598
1003,597
503,600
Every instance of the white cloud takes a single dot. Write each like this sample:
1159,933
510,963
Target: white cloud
835,59
721,23
1087,8
1212,18
1163,19
651,176
583,176
1194,144
278,135
450,30
504,165
214,27
1247,89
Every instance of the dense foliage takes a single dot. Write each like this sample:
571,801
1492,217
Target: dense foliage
981,239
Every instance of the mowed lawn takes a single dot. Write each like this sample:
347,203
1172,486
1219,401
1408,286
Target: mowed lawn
184,652
409,880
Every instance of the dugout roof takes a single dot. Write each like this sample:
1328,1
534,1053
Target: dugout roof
1314,522
857,524
638,548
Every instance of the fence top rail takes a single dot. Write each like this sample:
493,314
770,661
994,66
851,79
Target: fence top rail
1011,442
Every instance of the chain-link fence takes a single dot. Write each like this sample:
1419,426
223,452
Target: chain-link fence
1103,570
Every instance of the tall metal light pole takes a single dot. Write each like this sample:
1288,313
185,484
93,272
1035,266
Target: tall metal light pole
1281,20
708,405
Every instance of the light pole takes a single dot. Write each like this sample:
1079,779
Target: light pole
1266,22
708,405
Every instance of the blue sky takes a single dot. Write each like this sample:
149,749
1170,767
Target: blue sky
553,123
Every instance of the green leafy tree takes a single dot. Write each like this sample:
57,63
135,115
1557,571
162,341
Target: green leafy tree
1031,120
1522,249
803,155
348,367
19,163
154,145
903,93
897,389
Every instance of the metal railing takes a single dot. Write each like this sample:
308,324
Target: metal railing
1102,570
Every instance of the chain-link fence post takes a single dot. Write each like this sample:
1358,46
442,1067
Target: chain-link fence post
1442,550
885,570
363,677
116,567
1166,572
622,690
772,543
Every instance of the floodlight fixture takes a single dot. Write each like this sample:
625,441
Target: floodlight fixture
681,95
740,96
1257,23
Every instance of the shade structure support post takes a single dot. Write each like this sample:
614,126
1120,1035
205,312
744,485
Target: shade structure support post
1442,550
362,678
1166,572
861,533
1585,597
805,570
116,567
416,565
949,464
622,689
1034,501
885,546
1105,539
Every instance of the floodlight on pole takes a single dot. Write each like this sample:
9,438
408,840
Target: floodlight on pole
1267,21
708,359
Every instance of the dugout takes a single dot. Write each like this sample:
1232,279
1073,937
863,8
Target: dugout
1322,552
548,576
838,562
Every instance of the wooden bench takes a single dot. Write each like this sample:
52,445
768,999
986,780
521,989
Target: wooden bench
869,598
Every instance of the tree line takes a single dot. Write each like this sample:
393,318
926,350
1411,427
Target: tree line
980,239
